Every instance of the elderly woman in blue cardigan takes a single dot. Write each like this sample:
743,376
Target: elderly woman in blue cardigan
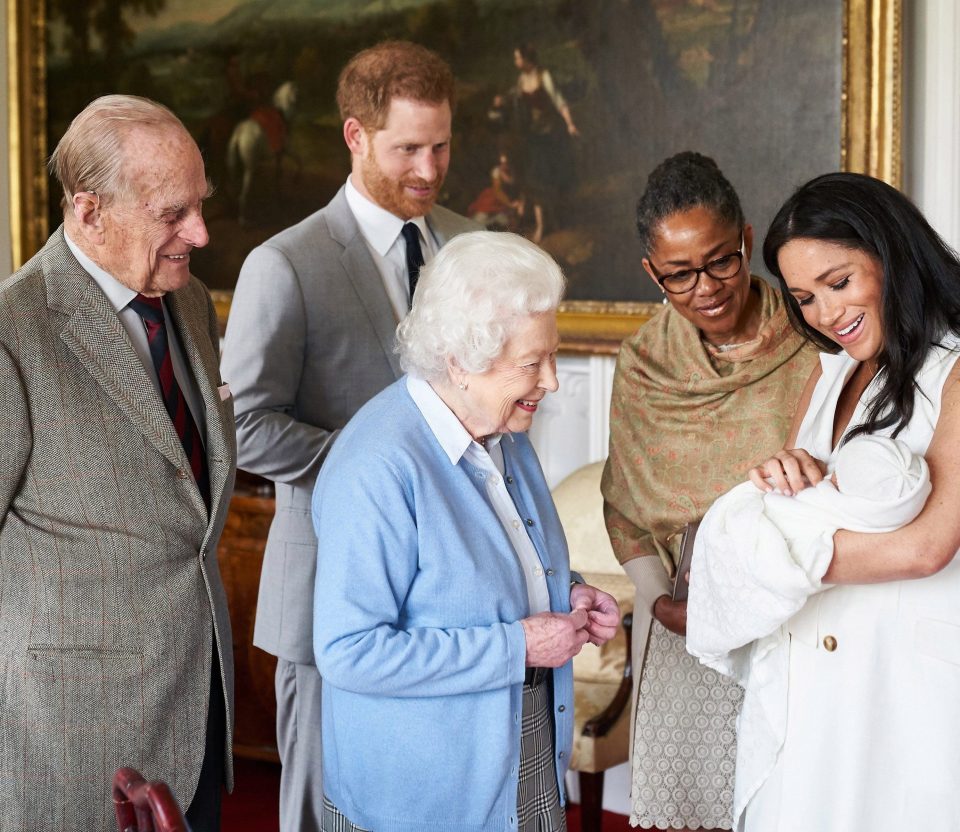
445,615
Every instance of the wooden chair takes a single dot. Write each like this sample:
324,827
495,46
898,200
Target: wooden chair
145,807
602,677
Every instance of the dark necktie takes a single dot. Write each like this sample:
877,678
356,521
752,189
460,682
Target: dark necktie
411,236
151,310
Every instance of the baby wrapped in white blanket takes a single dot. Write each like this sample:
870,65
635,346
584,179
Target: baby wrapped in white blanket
757,559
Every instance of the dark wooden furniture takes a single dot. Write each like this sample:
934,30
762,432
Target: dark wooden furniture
240,556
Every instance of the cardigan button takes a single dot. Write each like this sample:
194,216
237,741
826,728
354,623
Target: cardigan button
509,480
830,643
529,521
550,573
562,708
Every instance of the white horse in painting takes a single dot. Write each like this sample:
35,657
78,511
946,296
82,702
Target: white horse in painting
249,145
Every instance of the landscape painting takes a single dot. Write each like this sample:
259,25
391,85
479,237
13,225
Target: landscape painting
755,84
776,91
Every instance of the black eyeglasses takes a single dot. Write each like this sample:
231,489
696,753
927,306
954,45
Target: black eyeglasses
723,268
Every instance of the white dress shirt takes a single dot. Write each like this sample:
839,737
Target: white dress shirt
120,297
457,443
381,233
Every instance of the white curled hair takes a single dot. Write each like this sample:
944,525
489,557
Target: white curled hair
470,299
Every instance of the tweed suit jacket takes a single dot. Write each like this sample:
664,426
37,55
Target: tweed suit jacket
111,600
309,341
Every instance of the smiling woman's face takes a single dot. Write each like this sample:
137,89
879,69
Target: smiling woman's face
505,398
840,292
725,311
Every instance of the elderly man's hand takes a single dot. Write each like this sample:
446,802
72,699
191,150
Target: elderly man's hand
553,638
603,612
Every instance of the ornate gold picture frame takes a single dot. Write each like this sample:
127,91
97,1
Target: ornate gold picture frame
869,137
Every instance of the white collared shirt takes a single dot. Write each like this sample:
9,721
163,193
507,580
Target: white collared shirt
457,443
381,233
120,297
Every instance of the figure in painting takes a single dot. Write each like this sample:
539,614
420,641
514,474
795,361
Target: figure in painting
539,118
501,206
263,135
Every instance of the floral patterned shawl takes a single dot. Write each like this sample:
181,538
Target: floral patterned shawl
688,420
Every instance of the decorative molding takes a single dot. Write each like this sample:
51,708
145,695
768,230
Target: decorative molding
871,111
27,127
598,327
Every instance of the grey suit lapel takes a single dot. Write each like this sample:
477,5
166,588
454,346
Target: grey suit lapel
192,330
94,334
364,275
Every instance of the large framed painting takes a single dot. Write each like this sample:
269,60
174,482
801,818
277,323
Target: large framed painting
775,90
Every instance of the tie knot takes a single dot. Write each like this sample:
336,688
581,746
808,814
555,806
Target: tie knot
411,234
150,309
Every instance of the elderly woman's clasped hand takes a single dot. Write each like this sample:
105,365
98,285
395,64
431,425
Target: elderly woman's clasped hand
603,613
553,638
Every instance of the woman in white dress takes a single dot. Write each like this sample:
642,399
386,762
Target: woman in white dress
873,702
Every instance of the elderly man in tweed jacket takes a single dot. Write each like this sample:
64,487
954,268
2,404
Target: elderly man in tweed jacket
117,461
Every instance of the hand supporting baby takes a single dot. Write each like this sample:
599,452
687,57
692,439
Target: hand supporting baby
788,471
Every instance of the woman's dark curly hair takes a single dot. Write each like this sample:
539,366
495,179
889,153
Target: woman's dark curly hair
920,294
684,181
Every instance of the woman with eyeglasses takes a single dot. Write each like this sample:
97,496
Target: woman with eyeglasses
702,392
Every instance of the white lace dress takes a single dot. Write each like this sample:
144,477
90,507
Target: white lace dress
684,740
873,703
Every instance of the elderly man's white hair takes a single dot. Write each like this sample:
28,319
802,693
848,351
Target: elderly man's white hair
90,155
470,299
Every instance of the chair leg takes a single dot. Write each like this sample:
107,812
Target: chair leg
591,801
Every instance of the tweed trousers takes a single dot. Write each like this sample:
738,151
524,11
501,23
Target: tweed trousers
538,797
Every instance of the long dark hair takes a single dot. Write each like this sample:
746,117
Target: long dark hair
920,295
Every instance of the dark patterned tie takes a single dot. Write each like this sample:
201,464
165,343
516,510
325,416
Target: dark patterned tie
151,310
411,236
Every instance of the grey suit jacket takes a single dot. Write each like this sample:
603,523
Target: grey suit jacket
309,341
111,601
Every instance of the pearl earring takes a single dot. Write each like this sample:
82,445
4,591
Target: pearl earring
462,385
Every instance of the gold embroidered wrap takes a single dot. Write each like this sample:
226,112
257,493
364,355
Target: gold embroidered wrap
687,421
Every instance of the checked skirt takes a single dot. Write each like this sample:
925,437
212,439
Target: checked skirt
538,797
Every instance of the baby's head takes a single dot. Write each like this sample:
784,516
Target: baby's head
877,468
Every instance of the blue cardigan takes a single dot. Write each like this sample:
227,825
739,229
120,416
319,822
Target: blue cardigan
417,605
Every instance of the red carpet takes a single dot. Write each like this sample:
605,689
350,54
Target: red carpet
253,805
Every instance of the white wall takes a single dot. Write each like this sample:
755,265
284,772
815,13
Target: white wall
932,112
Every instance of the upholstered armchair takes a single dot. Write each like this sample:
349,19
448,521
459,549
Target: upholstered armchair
602,679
